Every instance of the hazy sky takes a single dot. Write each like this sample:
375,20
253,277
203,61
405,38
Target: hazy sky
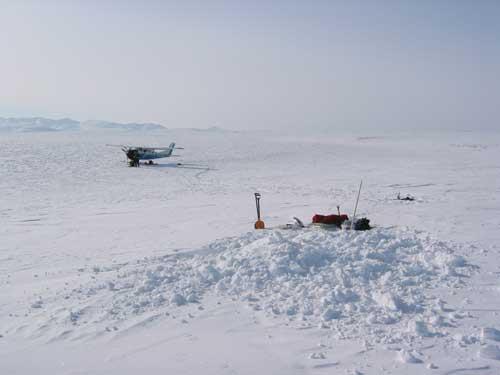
254,64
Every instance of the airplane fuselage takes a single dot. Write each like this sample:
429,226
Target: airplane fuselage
136,153
150,155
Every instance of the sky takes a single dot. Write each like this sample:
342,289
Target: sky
254,64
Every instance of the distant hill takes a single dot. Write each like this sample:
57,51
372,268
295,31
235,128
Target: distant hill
40,124
212,129
92,125
37,124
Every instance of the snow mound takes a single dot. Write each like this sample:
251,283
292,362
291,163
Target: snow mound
357,283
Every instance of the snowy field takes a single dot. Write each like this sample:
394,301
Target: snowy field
106,269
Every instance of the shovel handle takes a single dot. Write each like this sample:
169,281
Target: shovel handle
257,204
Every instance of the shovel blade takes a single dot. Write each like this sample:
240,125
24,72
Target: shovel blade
259,224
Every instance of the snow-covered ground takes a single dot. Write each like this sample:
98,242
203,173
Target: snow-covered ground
107,269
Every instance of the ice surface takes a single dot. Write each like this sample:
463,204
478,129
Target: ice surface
107,269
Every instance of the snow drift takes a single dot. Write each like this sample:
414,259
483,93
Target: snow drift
352,282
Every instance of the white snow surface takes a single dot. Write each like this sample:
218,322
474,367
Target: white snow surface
107,269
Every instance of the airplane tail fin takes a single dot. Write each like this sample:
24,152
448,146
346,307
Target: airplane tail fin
171,147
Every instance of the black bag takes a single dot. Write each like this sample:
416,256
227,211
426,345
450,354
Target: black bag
362,224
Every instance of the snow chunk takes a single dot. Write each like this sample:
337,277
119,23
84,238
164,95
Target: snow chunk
388,301
488,333
209,274
178,299
406,356
330,314
464,340
419,328
192,298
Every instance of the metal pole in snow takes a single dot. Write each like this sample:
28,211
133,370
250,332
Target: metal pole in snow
356,206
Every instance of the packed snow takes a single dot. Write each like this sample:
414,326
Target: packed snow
111,270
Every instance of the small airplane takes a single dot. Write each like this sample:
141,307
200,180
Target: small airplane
137,153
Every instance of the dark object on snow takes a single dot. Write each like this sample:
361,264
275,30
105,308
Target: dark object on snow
133,157
407,198
362,224
330,219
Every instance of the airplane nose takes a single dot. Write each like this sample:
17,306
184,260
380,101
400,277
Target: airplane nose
132,154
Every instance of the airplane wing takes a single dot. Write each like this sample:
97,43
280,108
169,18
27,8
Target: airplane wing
146,148
167,148
135,147
159,148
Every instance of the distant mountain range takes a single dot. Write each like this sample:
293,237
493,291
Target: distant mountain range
40,124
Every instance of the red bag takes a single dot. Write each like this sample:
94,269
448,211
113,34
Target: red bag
330,219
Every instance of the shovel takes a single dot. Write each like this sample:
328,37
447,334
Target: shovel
259,224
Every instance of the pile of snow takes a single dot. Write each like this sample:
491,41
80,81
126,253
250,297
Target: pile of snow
356,283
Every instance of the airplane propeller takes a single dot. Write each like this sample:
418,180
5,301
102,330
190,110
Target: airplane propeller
133,156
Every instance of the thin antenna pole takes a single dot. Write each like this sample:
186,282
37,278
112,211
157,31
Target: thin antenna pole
356,206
